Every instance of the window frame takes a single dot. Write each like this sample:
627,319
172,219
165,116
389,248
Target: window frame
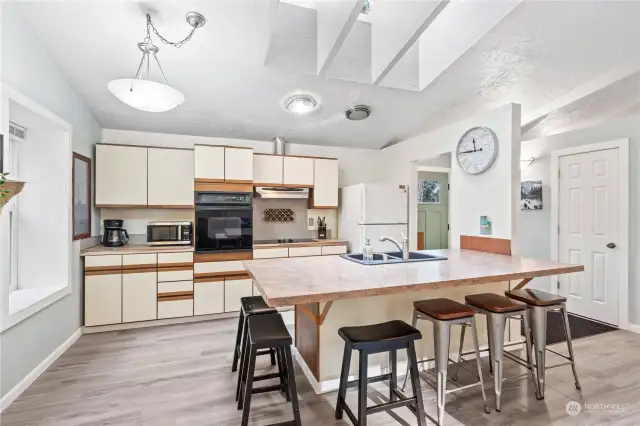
11,155
439,189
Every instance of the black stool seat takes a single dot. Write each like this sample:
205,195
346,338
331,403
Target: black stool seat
254,305
268,331
493,303
535,297
384,334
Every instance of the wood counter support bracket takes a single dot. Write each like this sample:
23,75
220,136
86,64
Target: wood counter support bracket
319,320
522,283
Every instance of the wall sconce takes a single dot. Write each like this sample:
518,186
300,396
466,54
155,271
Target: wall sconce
526,163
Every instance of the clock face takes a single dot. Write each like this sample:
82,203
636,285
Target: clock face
477,150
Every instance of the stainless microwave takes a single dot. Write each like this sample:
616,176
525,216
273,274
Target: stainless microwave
169,233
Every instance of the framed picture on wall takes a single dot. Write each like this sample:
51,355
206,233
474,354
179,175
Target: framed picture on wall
531,195
81,197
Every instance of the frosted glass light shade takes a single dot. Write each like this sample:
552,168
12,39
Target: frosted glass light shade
146,95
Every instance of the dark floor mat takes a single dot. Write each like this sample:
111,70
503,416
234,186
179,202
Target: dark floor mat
580,327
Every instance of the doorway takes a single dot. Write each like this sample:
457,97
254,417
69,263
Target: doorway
591,215
433,210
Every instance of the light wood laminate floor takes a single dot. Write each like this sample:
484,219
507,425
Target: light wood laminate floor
180,376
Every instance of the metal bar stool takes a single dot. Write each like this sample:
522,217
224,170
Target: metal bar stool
388,337
253,305
267,332
443,313
539,303
498,309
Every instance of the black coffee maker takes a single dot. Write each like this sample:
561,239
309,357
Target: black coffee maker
114,235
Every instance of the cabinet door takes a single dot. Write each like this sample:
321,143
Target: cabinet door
102,299
298,171
325,184
208,297
170,178
238,165
267,169
121,176
209,163
329,250
139,296
234,290
270,253
305,251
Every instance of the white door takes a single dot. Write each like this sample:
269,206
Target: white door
384,204
374,232
298,171
588,210
209,163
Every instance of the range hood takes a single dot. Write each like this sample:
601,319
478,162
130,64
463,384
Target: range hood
280,192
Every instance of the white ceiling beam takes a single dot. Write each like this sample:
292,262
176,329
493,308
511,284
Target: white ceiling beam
336,18
272,13
395,27
458,28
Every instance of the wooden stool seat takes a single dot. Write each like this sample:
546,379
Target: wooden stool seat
443,309
492,302
535,297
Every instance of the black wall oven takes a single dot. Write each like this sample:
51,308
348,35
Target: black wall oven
224,221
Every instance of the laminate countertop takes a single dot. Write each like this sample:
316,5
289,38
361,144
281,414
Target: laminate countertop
314,243
301,280
101,250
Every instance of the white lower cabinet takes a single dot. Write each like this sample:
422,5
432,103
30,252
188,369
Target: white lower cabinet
139,296
208,297
103,299
234,290
271,253
175,308
305,251
328,250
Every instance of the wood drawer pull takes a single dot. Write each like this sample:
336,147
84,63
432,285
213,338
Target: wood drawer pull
174,294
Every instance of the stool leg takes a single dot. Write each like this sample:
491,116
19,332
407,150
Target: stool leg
476,346
496,349
462,332
246,400
236,350
415,383
527,332
393,382
282,370
567,332
414,323
539,331
490,340
243,368
291,380
362,388
344,378
272,355
442,337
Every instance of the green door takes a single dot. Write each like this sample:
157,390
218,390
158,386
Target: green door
433,212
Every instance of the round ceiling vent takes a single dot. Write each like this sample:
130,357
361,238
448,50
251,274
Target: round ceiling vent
358,112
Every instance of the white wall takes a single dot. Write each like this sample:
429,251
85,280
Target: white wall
535,230
494,193
27,68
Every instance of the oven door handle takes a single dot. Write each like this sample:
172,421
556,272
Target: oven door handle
209,208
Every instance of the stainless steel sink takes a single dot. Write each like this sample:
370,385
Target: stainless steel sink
391,257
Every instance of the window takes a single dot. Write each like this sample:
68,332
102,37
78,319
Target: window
429,191
10,165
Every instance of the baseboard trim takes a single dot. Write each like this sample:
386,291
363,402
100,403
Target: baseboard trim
635,328
28,380
156,323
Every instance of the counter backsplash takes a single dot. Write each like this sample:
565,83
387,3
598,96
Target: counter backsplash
298,228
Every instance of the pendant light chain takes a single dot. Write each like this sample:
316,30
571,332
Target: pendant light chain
178,44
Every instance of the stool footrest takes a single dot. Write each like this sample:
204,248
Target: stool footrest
374,379
266,377
266,389
390,405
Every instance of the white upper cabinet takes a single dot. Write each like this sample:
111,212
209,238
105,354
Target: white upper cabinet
238,165
170,178
298,171
325,183
209,163
267,169
121,176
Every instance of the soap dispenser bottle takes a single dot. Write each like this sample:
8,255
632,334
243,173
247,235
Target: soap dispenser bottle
367,250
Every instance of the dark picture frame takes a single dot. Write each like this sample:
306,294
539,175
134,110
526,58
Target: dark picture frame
81,196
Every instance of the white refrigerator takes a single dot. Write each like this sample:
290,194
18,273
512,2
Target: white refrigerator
371,211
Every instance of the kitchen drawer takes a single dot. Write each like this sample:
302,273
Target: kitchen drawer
148,259
218,267
270,253
175,308
101,261
166,259
174,275
305,251
233,291
208,297
175,286
326,250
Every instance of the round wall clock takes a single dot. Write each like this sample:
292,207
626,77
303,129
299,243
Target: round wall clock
477,150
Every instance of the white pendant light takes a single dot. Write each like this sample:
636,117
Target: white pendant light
145,94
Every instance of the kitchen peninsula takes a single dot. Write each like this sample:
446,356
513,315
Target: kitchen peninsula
330,292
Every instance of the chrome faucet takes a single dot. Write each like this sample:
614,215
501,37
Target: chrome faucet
404,248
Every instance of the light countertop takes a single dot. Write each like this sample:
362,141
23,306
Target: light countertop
315,243
300,280
133,249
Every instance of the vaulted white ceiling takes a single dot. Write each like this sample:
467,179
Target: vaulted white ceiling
418,64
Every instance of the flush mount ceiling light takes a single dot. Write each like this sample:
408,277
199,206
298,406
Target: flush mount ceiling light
300,104
358,112
145,94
